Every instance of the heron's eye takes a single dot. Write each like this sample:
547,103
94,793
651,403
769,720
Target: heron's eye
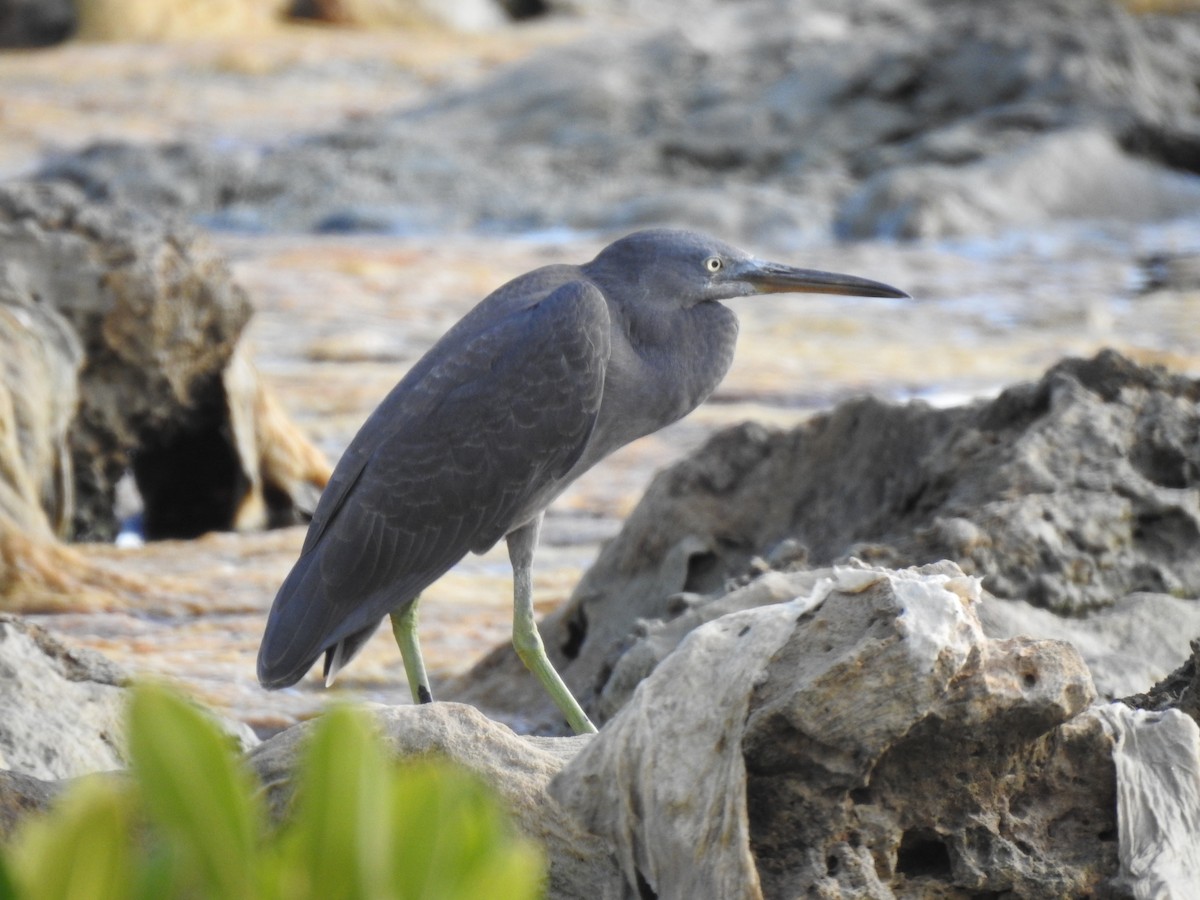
713,264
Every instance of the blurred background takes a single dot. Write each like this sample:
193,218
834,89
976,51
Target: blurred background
363,171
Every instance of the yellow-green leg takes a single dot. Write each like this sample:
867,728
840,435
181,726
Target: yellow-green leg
526,640
404,629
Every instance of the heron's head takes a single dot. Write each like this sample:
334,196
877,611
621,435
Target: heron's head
684,268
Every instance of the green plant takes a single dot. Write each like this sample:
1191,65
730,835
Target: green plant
190,823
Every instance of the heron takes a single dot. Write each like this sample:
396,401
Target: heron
545,377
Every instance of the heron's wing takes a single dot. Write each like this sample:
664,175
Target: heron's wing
443,466
418,390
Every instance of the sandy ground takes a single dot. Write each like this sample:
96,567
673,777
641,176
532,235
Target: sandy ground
340,319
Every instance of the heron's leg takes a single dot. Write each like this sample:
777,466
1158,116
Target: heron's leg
404,628
526,640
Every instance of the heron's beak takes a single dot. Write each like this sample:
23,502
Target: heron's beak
776,278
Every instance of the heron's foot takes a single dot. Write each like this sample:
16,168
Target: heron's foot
532,651
404,629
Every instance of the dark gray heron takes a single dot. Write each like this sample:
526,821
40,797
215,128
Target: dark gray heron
548,375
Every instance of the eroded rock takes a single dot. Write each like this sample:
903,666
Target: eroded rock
1179,690
62,708
22,796
40,357
122,352
863,740
519,769
860,738
156,312
1127,646
1157,761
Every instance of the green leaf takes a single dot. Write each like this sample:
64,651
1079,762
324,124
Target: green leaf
517,873
82,849
341,826
454,841
8,888
188,825
195,791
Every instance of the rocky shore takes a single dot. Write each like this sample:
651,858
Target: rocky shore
909,609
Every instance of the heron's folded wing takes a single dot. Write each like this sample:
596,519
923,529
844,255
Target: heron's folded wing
444,465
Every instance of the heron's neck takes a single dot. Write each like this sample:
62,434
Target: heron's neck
686,354
658,372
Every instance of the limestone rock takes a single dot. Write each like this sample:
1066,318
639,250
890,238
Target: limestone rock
41,356
22,796
1071,494
1126,647
156,312
163,387
62,709
1136,642
1179,690
863,740
1157,760
158,20
519,769
470,16
859,738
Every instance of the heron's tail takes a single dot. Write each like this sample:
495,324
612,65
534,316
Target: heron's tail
345,650
294,636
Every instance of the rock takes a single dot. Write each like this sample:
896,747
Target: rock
753,119
473,15
1171,272
1091,175
1125,647
1134,643
22,796
1157,760
157,20
41,356
863,740
1179,690
286,473
162,387
653,641
62,709
1071,494
38,397
519,769
35,23
158,316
